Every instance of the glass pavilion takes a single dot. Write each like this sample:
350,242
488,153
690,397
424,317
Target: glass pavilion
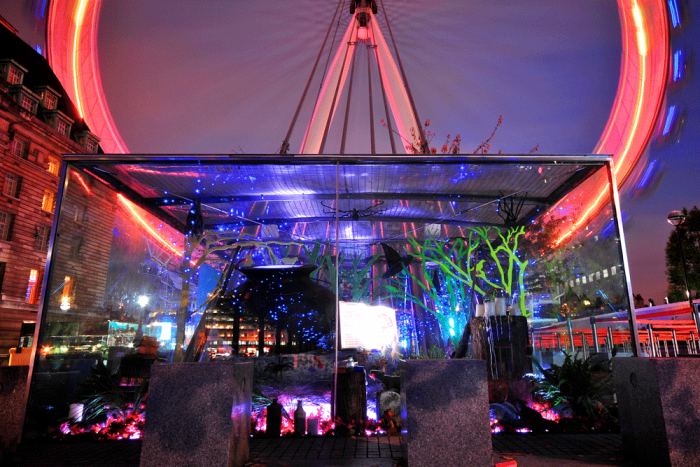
221,257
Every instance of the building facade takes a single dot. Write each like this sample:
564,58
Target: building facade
38,124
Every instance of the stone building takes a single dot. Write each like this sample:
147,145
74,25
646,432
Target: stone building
38,123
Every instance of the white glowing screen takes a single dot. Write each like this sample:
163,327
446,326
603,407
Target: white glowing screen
366,326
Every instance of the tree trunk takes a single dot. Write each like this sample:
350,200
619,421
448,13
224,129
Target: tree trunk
505,343
352,396
182,312
463,346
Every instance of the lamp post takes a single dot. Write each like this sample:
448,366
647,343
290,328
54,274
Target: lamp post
676,218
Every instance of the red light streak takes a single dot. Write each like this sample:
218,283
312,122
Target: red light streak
637,132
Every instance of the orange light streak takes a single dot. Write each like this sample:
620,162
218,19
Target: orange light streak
145,224
632,135
82,182
79,17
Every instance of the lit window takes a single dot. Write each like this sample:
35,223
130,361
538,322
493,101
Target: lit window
63,127
605,273
66,296
12,185
41,241
15,75
613,270
50,100
19,147
54,166
6,221
48,204
33,286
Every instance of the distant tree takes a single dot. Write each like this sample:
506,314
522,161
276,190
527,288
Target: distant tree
452,145
689,232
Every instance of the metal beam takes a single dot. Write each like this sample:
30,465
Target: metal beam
331,218
179,201
144,203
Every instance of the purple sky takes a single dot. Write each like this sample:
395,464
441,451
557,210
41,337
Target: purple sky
217,77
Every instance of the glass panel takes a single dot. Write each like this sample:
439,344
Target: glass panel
226,259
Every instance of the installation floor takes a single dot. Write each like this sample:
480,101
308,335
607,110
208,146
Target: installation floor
527,450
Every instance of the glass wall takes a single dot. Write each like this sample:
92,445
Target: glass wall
302,262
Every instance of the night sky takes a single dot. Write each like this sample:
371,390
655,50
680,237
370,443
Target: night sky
226,76
222,77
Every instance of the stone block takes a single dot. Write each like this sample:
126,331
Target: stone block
13,387
659,403
198,414
445,413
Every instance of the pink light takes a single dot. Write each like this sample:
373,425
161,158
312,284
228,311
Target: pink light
362,34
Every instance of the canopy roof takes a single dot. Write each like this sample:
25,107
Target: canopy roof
380,198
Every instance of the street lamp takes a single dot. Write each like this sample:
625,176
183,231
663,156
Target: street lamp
676,218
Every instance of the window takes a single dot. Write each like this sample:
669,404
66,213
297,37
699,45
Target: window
88,140
41,237
49,202
33,286
91,146
63,127
54,166
58,121
76,245
12,185
50,100
2,273
6,221
27,103
67,295
19,147
15,75
80,211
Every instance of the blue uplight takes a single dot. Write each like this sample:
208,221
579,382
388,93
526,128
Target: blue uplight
678,65
674,13
671,116
648,174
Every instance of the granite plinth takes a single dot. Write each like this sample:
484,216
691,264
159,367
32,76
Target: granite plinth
198,414
13,387
659,403
445,413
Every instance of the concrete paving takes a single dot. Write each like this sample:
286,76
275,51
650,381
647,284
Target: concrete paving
527,450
